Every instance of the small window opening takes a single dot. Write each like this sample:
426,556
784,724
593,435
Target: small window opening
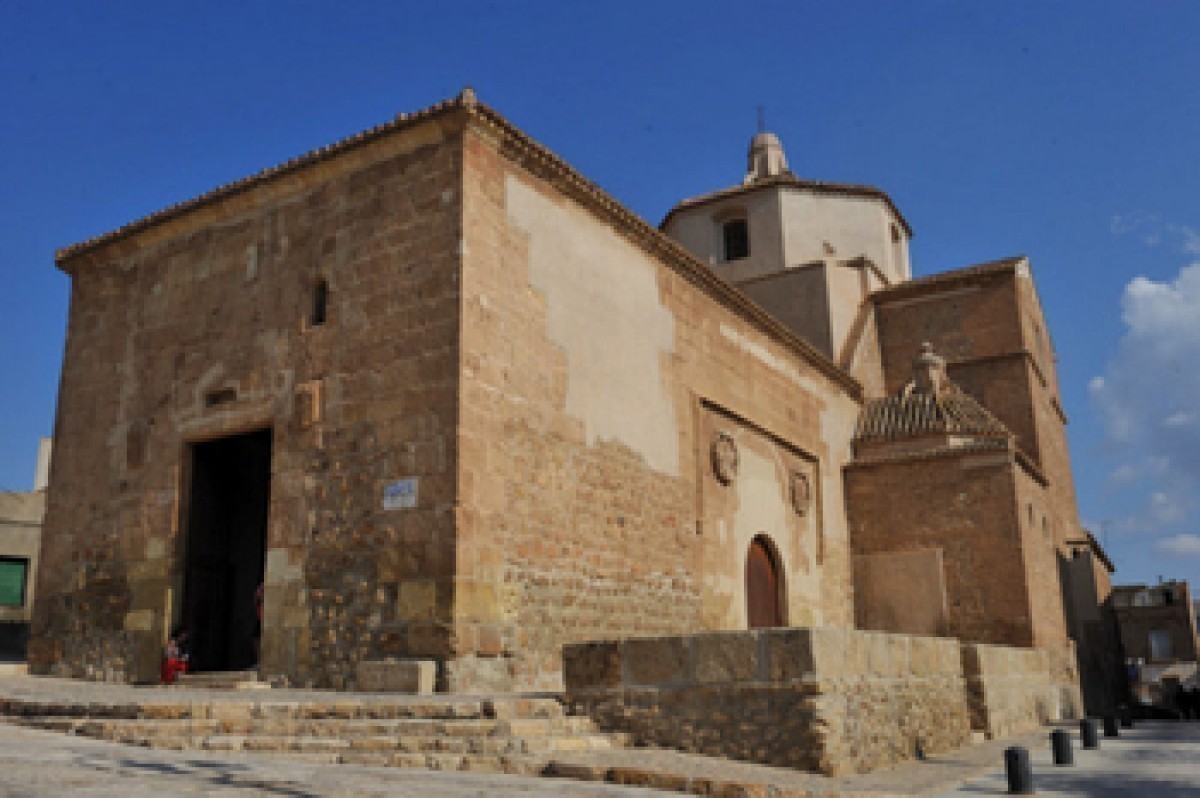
895,234
736,236
320,308
221,396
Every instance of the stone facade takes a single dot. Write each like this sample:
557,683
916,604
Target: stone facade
1009,690
827,700
494,413
200,327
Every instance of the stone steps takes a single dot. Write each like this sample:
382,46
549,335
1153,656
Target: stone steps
500,735
222,680
299,727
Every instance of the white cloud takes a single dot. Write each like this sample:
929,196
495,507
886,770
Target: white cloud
1191,241
1153,230
1182,545
1180,420
1149,395
1167,509
1148,398
1123,474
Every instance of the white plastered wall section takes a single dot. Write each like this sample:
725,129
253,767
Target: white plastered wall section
757,503
603,308
850,226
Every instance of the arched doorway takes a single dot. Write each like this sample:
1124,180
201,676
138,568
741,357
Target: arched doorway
764,607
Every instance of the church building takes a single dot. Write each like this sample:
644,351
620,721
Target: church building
446,400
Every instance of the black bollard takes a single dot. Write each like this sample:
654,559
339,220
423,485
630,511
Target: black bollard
1060,747
1020,774
1126,716
1110,726
1088,733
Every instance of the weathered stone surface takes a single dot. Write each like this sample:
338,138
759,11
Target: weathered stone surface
415,676
863,703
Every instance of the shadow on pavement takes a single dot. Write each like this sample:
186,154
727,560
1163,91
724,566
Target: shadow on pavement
218,774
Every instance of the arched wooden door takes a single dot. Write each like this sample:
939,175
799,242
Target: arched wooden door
762,587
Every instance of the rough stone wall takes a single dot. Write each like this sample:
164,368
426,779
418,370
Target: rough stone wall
1010,690
585,362
829,700
199,327
992,331
965,505
901,591
1040,554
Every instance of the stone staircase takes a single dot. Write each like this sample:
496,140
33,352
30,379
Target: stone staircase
503,734
223,680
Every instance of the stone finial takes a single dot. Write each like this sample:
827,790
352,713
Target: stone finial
929,371
765,158
467,97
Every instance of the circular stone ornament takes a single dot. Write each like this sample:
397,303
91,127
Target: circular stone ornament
724,458
801,491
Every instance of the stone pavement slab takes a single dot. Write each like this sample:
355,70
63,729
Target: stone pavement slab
1156,759
689,773
35,763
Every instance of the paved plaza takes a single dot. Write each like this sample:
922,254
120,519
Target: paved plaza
1154,759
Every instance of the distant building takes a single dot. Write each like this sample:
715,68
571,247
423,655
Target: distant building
1159,635
20,538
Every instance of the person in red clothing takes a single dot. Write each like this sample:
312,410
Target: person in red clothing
175,657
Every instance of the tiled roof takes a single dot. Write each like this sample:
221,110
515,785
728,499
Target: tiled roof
790,180
912,414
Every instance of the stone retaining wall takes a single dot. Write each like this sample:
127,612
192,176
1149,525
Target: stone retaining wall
1009,690
830,700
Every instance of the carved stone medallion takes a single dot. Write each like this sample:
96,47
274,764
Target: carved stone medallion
801,493
724,457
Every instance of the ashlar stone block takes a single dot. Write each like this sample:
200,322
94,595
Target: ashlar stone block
415,676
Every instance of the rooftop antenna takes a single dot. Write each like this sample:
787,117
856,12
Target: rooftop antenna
762,119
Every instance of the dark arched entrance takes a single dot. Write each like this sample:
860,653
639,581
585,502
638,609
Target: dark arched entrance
763,606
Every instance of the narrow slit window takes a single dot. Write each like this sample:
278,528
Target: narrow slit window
736,235
320,308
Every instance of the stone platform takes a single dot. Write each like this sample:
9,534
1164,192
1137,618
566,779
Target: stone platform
506,736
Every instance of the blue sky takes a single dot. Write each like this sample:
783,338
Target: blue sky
1066,131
